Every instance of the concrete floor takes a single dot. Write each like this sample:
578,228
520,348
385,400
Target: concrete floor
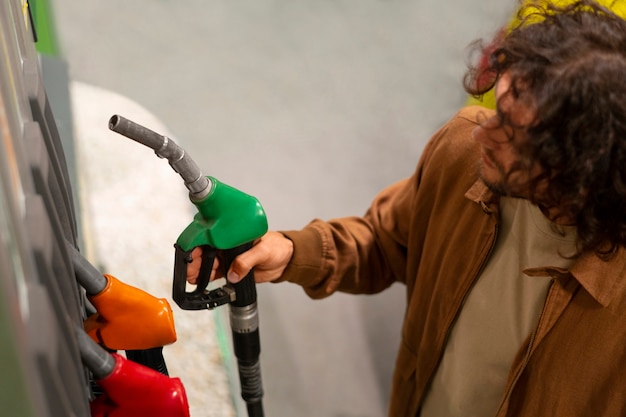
313,107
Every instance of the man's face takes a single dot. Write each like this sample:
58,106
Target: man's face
500,164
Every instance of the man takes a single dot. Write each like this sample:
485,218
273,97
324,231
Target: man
509,236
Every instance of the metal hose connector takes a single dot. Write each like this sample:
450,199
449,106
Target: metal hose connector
95,357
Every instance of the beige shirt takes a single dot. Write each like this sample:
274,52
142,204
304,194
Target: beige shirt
499,313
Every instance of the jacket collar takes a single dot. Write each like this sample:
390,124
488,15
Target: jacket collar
479,193
603,280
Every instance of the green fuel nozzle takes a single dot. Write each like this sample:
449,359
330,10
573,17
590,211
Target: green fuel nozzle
226,217
227,223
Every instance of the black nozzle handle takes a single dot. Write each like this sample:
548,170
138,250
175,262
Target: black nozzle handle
198,185
245,290
244,323
152,358
201,297
86,274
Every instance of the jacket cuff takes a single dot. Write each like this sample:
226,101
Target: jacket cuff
305,267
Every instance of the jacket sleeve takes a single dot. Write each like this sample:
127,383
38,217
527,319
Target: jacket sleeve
369,253
358,254
353,254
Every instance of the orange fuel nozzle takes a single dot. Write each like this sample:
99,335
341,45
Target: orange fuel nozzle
129,318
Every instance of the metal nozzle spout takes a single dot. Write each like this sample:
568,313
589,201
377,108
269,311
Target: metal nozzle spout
198,185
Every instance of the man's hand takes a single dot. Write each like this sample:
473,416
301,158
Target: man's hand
269,257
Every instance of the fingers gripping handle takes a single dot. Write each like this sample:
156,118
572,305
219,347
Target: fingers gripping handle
241,294
245,290
200,298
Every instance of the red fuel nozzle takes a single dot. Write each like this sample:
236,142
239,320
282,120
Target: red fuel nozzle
129,318
133,390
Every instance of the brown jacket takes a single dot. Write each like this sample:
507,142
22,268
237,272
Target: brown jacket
434,232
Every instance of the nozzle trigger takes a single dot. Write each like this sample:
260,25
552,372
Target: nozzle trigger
200,298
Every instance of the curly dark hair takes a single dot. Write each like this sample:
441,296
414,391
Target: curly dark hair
569,64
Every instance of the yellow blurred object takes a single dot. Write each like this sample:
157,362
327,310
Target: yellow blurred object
487,100
616,6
